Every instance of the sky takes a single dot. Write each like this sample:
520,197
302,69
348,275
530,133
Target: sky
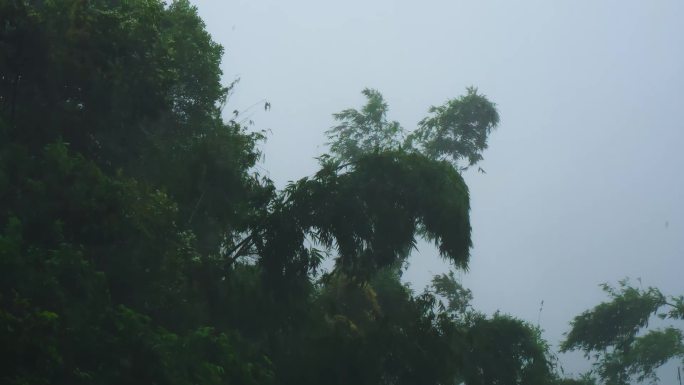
583,180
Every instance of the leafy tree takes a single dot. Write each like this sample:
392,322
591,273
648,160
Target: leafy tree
119,186
455,131
138,246
133,86
615,333
458,129
370,212
503,350
492,350
363,132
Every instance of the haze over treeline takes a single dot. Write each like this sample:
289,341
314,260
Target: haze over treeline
581,174
142,241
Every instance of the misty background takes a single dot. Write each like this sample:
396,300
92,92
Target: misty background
583,180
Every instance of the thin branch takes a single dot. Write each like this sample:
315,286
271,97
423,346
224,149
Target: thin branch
236,251
204,191
192,215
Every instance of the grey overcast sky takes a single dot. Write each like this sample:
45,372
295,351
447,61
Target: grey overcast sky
584,178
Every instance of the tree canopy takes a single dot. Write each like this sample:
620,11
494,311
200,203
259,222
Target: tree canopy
139,245
456,131
616,332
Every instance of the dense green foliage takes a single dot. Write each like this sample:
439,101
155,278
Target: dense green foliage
455,131
616,333
137,245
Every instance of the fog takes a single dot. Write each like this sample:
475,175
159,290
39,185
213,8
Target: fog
583,179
